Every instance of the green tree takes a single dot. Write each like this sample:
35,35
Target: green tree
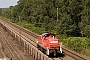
85,18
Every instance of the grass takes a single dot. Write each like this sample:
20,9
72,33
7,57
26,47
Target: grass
15,41
87,52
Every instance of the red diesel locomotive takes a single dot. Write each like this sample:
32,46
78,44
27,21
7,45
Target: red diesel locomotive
49,44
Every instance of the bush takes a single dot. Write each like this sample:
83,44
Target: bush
78,44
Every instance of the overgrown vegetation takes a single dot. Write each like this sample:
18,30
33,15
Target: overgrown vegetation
72,25
77,43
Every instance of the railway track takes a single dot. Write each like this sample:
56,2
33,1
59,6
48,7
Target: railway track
68,52
26,33
9,48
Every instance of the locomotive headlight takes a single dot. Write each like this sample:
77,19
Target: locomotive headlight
36,41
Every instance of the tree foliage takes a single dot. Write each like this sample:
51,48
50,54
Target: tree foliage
73,15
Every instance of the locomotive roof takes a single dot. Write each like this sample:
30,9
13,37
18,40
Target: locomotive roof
47,33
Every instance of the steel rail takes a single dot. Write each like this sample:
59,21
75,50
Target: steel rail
10,48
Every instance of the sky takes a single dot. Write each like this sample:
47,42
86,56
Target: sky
7,3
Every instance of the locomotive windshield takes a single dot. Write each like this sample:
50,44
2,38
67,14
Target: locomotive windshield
48,34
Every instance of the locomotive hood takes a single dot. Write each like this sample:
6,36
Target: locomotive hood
53,40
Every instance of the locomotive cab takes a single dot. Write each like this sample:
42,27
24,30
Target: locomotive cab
49,44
